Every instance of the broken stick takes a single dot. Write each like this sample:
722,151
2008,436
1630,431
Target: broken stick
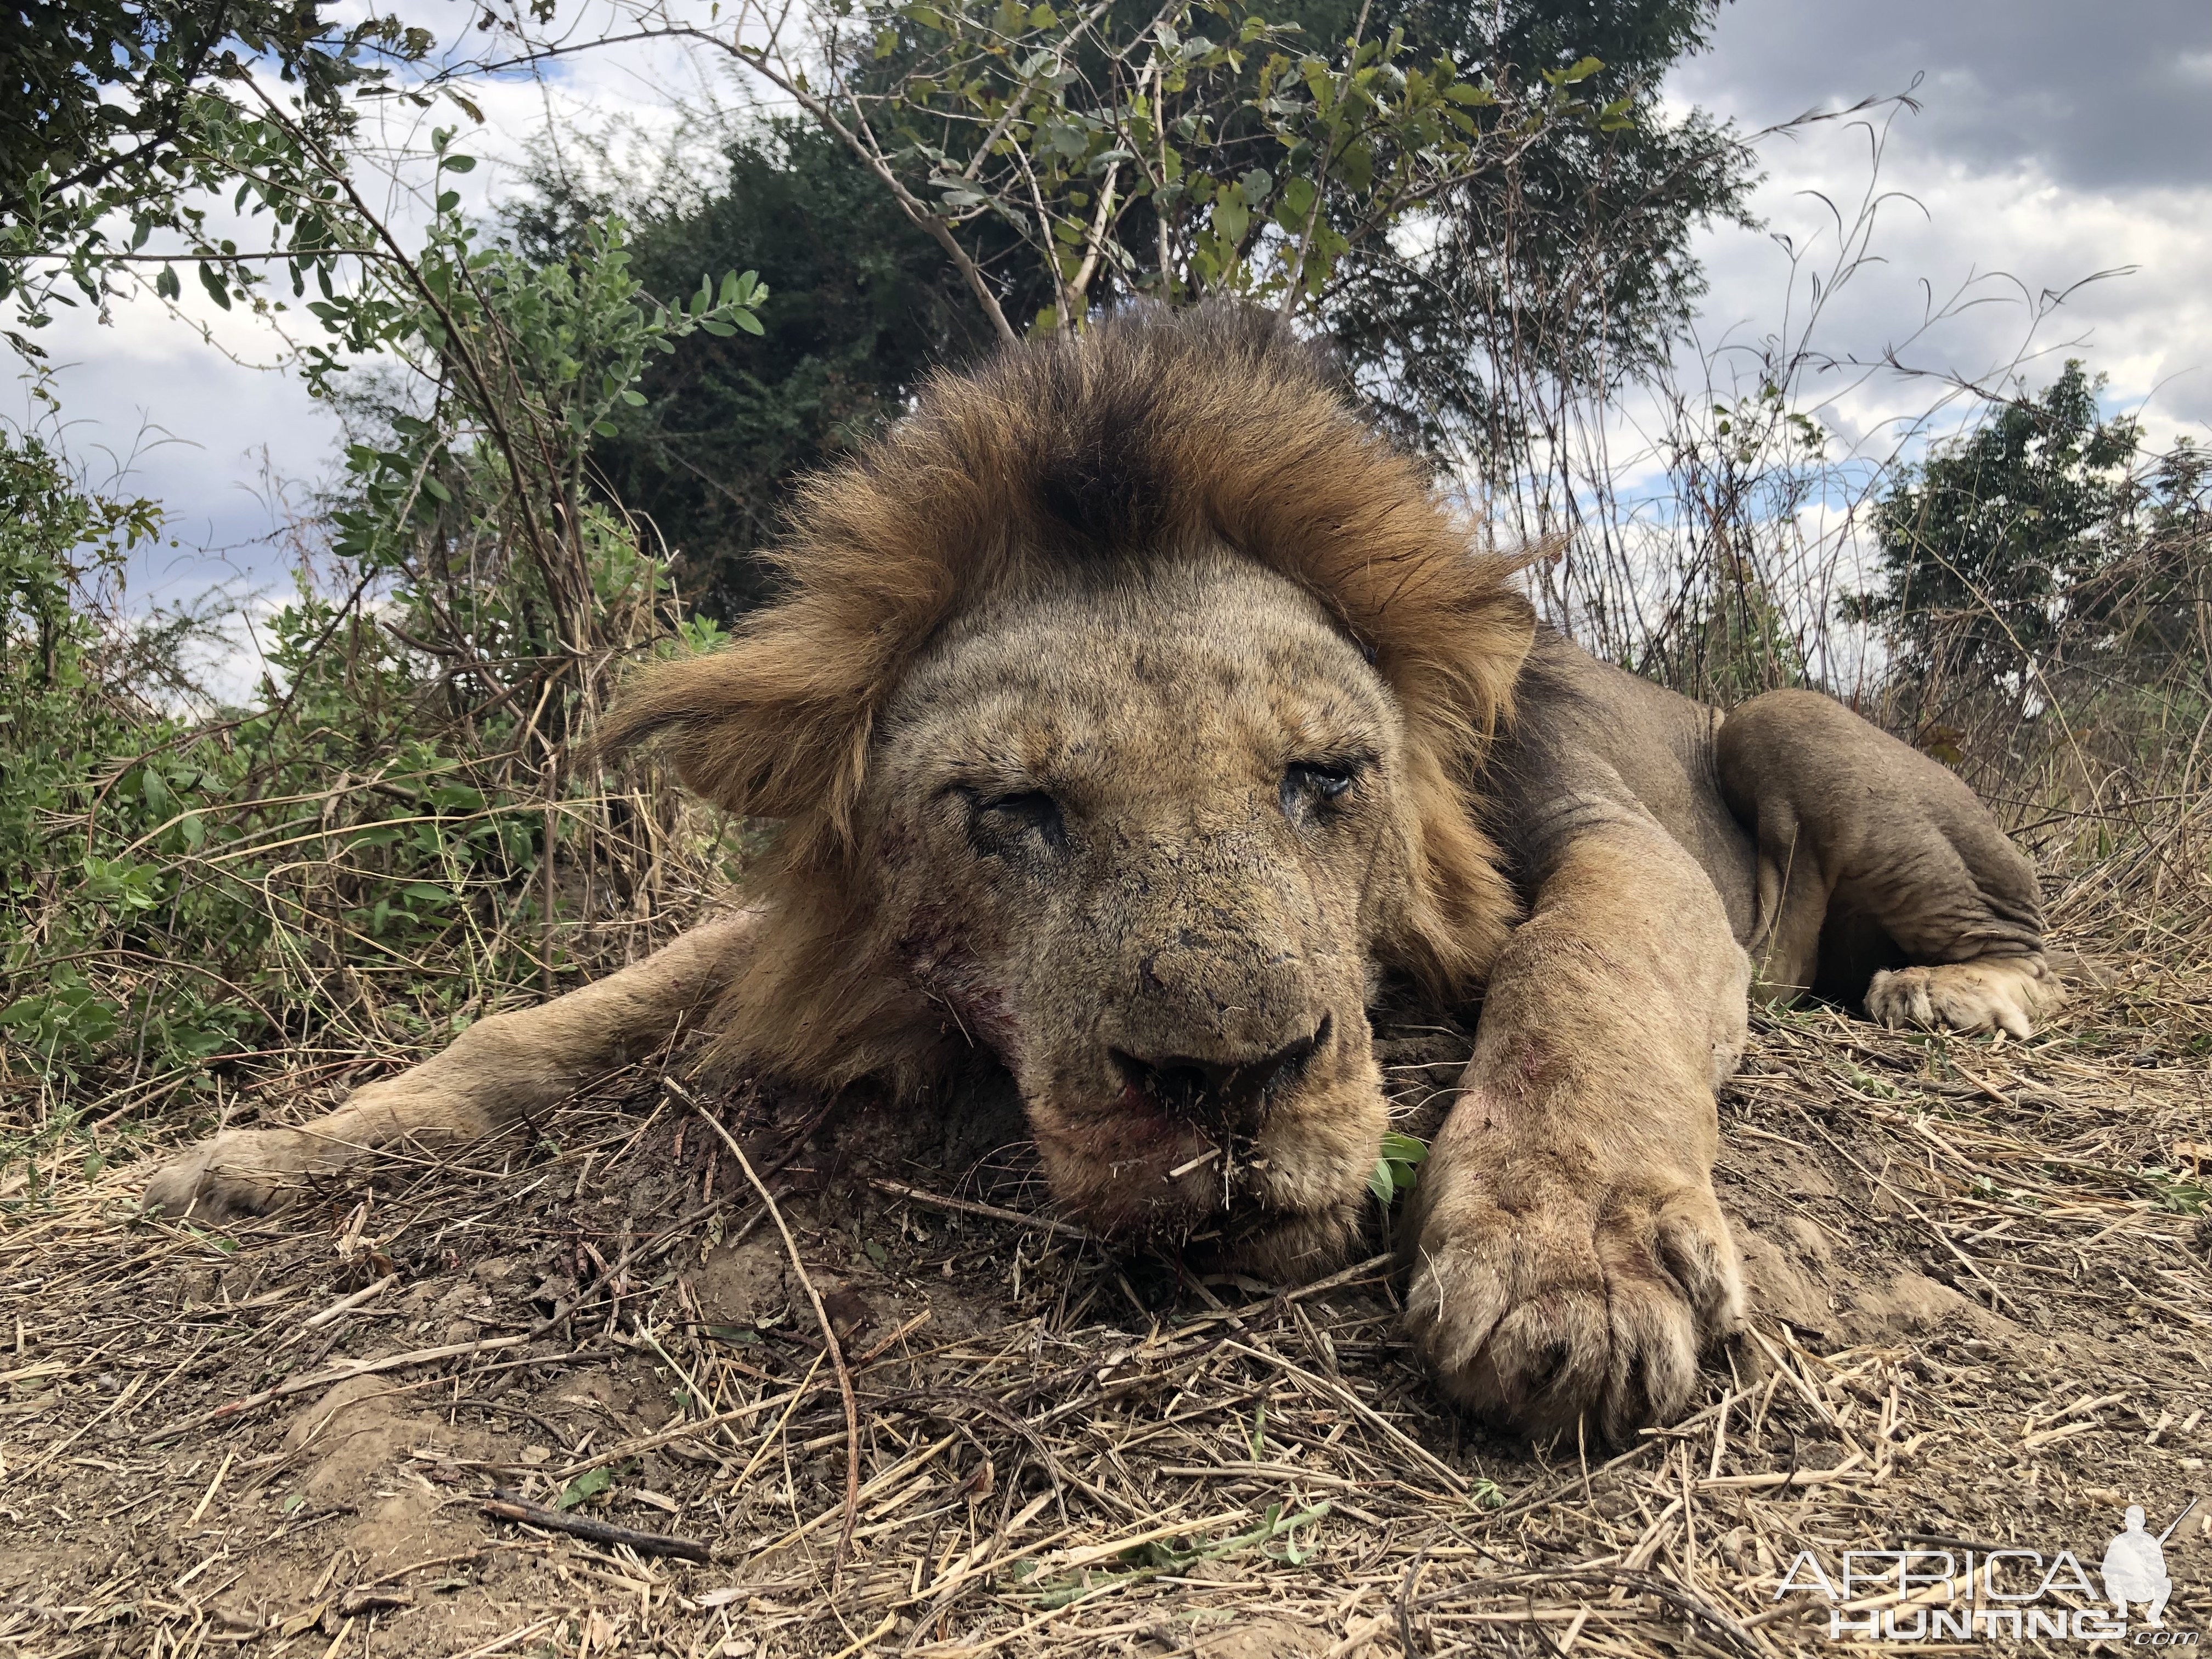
511,1506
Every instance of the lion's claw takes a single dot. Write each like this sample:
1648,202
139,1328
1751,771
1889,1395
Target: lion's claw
1539,1302
2007,993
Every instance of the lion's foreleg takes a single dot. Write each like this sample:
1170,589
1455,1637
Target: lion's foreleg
501,1068
1571,1260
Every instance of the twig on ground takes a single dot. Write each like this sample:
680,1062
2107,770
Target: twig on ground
346,1304
324,1379
989,1211
56,1451
511,1506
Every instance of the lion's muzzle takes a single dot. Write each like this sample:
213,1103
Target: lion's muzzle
1221,1098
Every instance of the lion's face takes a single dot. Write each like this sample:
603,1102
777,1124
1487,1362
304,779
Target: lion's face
1073,750
1138,835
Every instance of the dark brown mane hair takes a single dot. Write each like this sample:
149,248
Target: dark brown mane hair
1151,432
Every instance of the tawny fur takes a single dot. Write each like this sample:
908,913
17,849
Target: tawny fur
1045,712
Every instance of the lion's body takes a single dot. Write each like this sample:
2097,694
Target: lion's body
1783,804
1135,717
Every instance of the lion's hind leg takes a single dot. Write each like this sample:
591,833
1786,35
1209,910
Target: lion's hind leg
501,1069
1881,879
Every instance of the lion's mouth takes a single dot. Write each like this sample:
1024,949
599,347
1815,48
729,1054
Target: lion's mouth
1184,1144
1175,1184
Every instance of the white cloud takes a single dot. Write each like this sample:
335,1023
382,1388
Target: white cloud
2054,143
215,432
1977,270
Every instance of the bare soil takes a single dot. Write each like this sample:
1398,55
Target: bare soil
1982,1316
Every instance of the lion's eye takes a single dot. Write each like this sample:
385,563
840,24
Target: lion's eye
1308,784
998,821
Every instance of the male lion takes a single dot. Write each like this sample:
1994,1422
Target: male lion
1134,715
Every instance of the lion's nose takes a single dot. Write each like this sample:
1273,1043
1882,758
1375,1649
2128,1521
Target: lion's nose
1230,1094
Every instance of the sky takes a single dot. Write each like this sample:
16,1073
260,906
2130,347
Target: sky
2053,141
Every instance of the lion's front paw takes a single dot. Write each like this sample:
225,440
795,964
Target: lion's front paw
238,1172
1541,1297
2007,994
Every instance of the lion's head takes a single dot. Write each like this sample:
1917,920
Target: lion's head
1121,713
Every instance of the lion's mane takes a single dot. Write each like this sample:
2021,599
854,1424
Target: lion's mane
1153,432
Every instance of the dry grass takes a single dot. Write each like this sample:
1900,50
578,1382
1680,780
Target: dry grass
1983,1315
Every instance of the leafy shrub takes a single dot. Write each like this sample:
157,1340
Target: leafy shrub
379,848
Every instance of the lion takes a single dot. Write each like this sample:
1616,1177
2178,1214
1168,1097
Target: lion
1136,716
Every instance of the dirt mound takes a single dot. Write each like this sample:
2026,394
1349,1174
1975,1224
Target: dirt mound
1979,1276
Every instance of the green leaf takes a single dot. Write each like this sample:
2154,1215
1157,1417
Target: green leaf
1356,167
717,327
458,164
1395,1168
166,283
747,321
211,280
585,1487
634,397
1583,68
435,491
1404,1149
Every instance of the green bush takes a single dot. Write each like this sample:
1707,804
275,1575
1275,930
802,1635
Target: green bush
379,848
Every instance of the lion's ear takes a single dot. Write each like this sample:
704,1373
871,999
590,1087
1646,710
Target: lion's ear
1454,634
771,726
